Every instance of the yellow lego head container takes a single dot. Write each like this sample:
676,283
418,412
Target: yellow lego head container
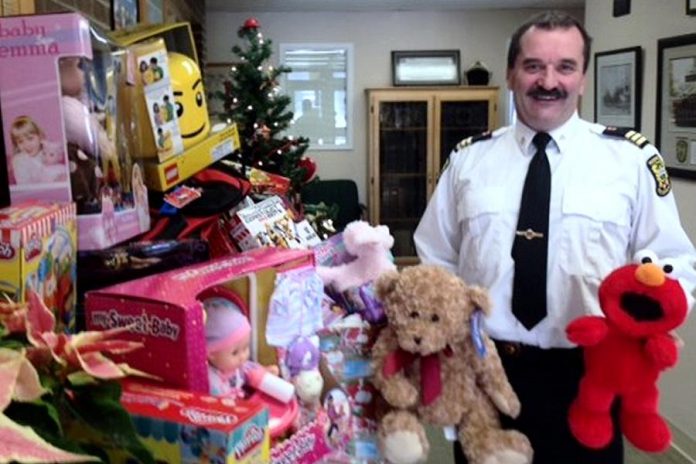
191,107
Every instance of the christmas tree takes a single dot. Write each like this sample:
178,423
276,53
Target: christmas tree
252,99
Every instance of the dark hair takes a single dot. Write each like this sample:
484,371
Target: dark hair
548,21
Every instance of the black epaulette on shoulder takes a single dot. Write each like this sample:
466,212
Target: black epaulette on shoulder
473,139
629,134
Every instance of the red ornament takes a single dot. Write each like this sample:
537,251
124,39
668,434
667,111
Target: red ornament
252,23
310,167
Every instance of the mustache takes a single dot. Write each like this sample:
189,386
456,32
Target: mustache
541,92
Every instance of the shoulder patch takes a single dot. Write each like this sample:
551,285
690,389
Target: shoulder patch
632,136
659,172
473,139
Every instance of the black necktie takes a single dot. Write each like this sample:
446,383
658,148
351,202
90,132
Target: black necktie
529,251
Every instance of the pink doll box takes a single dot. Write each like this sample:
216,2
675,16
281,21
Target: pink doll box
38,251
166,315
200,428
69,148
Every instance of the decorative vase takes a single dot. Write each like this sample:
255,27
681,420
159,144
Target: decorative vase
478,74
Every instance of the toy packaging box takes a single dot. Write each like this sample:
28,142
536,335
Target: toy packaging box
165,311
181,427
38,243
270,223
202,145
65,124
158,131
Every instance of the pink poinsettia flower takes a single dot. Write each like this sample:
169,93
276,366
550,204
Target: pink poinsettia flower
82,351
13,315
21,444
19,381
18,378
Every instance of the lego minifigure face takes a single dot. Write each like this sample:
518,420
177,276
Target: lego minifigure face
191,107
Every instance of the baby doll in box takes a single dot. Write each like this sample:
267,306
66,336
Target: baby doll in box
230,372
86,139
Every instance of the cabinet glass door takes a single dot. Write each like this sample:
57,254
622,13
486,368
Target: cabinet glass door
403,169
458,120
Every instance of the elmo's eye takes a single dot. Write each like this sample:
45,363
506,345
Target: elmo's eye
413,315
667,268
645,256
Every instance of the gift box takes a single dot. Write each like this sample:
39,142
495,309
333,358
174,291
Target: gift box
38,244
187,427
165,311
270,223
65,123
102,268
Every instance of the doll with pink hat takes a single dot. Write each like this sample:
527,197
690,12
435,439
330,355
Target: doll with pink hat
228,336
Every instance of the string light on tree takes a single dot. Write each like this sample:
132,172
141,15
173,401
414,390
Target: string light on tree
254,101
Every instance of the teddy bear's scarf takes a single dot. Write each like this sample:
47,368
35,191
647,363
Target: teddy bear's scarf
430,370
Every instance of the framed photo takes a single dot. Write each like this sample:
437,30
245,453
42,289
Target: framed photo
151,11
675,131
124,13
618,86
691,7
214,77
426,67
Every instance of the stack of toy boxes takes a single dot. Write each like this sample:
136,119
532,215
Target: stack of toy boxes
37,251
346,343
202,147
65,125
165,313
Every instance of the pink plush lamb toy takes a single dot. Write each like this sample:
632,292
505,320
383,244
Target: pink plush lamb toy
370,245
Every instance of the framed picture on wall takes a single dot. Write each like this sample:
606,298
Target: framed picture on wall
124,13
214,77
426,67
691,7
618,87
152,11
675,131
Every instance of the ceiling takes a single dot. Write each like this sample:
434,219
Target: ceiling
260,6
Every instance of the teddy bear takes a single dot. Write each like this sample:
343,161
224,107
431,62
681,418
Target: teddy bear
624,353
370,245
433,363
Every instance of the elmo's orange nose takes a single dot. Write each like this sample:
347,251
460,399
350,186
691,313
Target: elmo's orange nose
650,274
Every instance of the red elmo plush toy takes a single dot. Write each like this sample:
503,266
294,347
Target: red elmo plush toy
625,353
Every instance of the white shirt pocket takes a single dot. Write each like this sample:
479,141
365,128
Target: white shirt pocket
484,218
595,231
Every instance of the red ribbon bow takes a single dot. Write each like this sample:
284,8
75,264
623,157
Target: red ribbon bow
430,370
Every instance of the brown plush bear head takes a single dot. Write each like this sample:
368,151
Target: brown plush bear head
428,307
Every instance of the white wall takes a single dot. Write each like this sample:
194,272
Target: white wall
479,35
649,21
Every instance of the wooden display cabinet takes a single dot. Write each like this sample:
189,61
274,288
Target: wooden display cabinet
411,133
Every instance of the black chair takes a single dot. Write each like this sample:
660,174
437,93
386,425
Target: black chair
340,192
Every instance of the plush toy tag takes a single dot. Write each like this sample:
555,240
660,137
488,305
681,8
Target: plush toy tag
450,432
477,334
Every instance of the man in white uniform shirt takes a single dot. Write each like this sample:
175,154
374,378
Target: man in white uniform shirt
610,197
